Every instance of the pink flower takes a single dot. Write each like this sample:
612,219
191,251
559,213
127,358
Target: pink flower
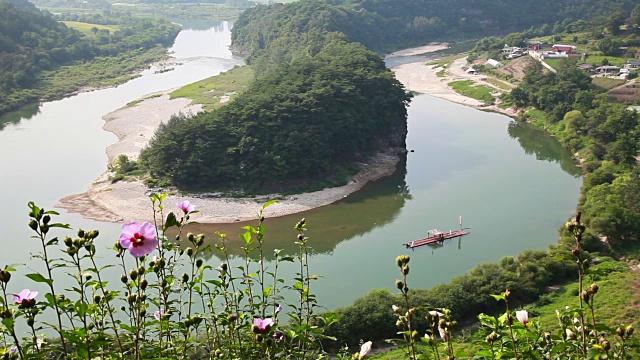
158,314
365,349
263,324
26,297
139,239
186,206
522,316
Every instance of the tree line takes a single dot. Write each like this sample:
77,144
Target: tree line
33,42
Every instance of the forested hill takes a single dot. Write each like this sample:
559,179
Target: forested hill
384,25
302,125
33,42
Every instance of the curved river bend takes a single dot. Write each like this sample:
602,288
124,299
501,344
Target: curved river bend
513,185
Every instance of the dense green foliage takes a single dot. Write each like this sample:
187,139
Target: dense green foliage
303,122
527,276
279,33
33,43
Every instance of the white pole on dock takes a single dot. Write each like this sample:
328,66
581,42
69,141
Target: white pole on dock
460,221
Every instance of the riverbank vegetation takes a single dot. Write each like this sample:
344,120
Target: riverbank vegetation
42,58
215,91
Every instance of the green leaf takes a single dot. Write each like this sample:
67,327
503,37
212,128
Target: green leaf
269,203
498,297
171,221
39,278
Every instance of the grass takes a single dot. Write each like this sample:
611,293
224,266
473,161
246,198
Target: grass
606,84
478,92
442,72
210,91
498,83
85,28
613,61
445,61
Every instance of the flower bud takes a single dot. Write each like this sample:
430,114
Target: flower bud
143,312
620,331
93,234
133,274
91,326
5,276
405,270
87,276
199,263
141,269
97,299
232,317
185,277
594,288
300,237
399,284
575,252
606,345
200,240
33,224
80,233
68,241
223,266
143,284
189,251
30,321
191,237
629,330
415,335
124,278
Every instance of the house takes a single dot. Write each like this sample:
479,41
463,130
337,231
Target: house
608,69
563,49
495,63
632,64
586,67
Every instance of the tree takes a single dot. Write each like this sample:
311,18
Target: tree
615,21
634,21
574,122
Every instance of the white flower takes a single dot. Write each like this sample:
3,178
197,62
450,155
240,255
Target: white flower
443,334
365,349
395,308
523,316
436,313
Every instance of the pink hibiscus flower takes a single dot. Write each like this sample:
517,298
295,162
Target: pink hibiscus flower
186,206
263,324
26,297
139,239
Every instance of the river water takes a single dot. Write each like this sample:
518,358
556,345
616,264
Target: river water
513,185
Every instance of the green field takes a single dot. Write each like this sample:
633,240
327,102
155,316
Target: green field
209,92
478,92
85,28
606,84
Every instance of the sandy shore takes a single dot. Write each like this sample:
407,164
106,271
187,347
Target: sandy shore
128,201
134,126
422,78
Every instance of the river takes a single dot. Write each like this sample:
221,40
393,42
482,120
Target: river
513,185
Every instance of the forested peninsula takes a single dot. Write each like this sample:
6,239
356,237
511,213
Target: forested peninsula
43,59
